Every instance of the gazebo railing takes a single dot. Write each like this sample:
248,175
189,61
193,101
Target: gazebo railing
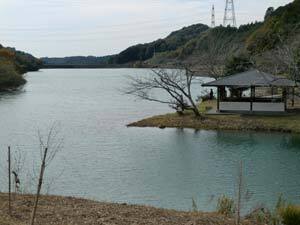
256,99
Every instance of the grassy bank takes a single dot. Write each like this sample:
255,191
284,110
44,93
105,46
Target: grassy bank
67,210
278,123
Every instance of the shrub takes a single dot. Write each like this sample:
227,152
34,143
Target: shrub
226,206
238,64
194,205
9,77
260,215
290,215
205,98
276,214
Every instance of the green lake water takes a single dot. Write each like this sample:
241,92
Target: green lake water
102,159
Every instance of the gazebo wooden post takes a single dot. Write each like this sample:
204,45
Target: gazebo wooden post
293,97
252,97
218,99
284,95
272,91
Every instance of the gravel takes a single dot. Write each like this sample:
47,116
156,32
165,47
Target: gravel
73,211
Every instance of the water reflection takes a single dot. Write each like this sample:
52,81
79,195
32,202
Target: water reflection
290,142
11,94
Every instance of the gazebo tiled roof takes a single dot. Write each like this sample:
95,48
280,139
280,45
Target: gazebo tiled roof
252,78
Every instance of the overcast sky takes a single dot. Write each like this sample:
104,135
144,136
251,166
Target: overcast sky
102,27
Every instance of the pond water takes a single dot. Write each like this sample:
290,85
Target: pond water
102,159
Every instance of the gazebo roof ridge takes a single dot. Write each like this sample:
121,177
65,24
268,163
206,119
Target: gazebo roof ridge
252,78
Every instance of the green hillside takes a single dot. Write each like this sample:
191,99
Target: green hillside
190,44
84,61
283,24
144,52
256,41
220,40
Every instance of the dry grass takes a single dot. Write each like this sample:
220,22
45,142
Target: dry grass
67,211
280,123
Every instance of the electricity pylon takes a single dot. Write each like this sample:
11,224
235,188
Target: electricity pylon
213,18
229,16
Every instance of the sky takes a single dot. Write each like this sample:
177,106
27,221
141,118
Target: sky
57,28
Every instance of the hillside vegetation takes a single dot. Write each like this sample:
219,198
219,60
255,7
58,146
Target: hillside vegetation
133,54
144,52
220,40
197,42
284,23
75,61
13,64
256,39
281,26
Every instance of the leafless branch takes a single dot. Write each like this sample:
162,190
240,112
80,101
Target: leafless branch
176,83
48,150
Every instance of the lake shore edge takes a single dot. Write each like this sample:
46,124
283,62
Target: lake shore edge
222,122
283,123
70,210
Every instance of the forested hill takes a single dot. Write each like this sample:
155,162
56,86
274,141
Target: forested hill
192,43
13,64
172,42
76,61
140,52
256,40
198,43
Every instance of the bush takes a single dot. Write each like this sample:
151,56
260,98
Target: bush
261,215
194,205
238,64
290,215
205,98
226,206
9,77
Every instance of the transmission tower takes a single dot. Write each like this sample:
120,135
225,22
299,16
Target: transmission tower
213,18
229,16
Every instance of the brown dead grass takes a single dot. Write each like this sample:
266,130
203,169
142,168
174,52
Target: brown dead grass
67,211
278,123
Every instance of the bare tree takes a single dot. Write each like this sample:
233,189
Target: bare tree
18,162
284,59
243,195
176,83
212,62
289,61
9,180
48,150
239,194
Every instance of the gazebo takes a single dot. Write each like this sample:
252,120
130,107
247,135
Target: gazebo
244,97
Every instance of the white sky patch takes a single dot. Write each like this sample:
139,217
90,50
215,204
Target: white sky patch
101,27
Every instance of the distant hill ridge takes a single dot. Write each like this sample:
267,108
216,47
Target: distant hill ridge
76,60
140,52
189,43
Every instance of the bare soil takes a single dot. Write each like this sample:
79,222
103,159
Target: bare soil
67,210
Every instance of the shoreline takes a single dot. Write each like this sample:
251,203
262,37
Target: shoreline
69,210
282,124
